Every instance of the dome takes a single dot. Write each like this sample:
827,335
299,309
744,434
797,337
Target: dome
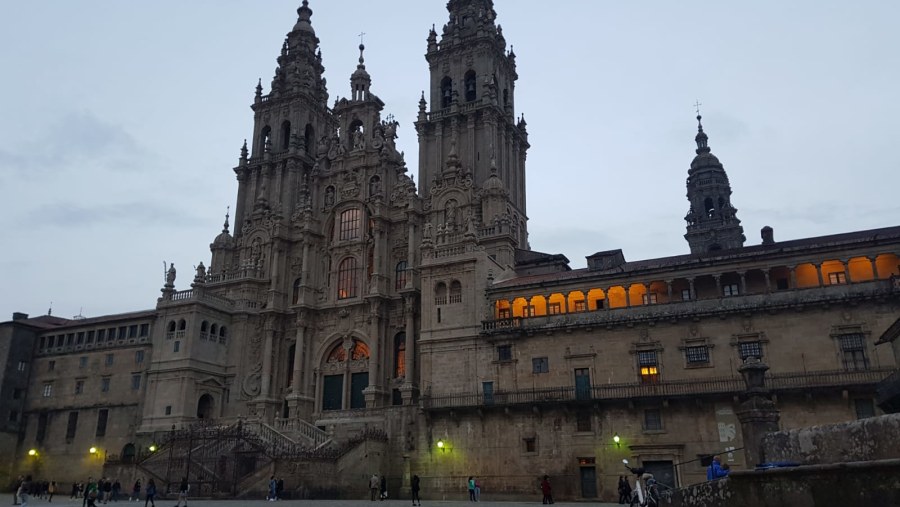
223,240
706,159
493,182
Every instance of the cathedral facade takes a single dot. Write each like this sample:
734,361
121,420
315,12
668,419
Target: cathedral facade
349,304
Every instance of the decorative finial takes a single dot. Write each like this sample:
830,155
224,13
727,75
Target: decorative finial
701,138
227,216
244,151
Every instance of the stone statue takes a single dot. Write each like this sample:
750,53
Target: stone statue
170,276
374,186
359,140
200,277
427,231
329,196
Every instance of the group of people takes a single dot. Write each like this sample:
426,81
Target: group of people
104,490
276,487
25,488
474,486
378,488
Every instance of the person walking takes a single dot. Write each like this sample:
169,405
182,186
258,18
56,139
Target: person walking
183,489
471,485
547,490
384,493
477,490
414,486
91,493
18,485
135,491
624,490
273,489
151,493
51,490
373,486
23,491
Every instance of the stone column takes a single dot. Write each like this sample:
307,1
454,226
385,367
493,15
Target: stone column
372,393
819,274
375,282
669,290
410,253
410,386
718,284
793,276
847,270
874,267
693,293
743,287
297,387
647,292
627,296
768,281
757,414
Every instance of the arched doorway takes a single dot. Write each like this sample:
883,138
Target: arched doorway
205,407
345,375
128,453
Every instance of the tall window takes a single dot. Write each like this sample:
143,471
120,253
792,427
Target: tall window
470,85
583,420
446,91
853,352
649,366
102,418
504,353
837,278
104,384
400,355
400,275
349,225
653,419
135,382
455,292
697,355
347,286
79,386
72,425
48,390
750,349
296,294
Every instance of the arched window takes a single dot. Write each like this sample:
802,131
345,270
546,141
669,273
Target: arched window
171,327
455,292
440,293
446,92
222,334
309,138
265,136
400,355
128,453
214,330
470,85
347,285
296,293
292,351
708,207
205,407
349,225
505,97
182,325
400,275
285,135
204,330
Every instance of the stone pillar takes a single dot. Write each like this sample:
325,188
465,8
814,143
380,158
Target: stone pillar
410,386
299,401
266,380
375,282
757,414
819,274
410,253
793,277
647,292
669,291
874,267
718,285
373,392
627,296
768,281
847,270
743,288
693,293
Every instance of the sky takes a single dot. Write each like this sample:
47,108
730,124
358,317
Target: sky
120,123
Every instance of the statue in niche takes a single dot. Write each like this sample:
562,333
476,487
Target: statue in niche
427,231
359,140
374,186
255,252
329,196
451,214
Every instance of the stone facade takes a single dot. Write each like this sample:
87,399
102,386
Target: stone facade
347,300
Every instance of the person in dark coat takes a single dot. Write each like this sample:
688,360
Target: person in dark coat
547,490
384,492
624,490
415,490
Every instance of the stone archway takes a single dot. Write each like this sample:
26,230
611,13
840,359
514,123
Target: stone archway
205,407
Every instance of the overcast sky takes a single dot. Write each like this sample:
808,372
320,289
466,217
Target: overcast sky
120,123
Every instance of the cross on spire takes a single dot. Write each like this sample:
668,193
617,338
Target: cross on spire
697,105
361,35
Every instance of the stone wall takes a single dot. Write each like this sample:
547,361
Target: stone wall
875,438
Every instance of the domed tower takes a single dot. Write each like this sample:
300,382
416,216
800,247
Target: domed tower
712,222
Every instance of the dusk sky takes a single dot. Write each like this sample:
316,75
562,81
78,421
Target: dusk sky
120,123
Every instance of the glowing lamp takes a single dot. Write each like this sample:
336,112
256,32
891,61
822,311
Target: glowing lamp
32,452
152,448
616,439
440,444
92,450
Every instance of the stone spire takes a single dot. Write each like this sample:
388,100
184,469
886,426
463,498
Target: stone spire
712,222
360,80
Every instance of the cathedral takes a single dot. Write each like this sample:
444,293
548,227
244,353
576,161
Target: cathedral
352,320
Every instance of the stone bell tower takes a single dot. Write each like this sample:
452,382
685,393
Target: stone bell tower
470,140
712,222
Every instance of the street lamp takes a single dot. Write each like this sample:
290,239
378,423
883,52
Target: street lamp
617,440
32,452
152,448
92,450
440,444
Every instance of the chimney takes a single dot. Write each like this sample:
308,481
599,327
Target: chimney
19,316
768,235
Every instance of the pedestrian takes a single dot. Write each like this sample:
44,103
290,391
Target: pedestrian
183,489
715,470
116,489
51,490
135,491
91,493
415,490
85,491
279,489
384,493
75,490
24,490
18,484
477,490
547,490
151,493
373,486
471,485
273,489
624,490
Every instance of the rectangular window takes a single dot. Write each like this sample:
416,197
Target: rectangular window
44,341
685,294
697,355
132,331
504,353
79,338
48,390
168,409
554,309
649,299
70,339
138,356
176,347
750,349
528,311
111,334
60,340
145,330
123,332
865,408
649,367
79,386
837,278
583,421
109,359
135,382
853,352
21,366
504,313
82,362
730,290
101,336
530,444
72,425
539,365
102,419
349,225
43,419
580,306
51,365
653,419
104,384
90,337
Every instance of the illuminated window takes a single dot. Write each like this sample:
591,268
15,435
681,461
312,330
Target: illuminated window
48,390
554,309
730,290
649,299
400,275
697,355
528,311
346,286
750,349
349,225
504,313
853,352
580,306
504,353
400,355
837,278
539,365
685,294
649,366
653,420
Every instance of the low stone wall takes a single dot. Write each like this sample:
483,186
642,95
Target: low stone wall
840,485
871,439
